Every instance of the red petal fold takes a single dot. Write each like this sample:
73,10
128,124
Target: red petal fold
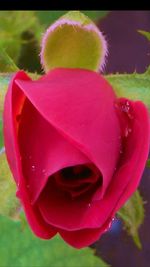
12,107
43,149
80,105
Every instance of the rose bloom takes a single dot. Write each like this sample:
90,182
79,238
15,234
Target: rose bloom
76,151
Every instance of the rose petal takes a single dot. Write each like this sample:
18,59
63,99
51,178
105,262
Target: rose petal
78,215
13,104
44,151
79,104
136,151
84,238
127,177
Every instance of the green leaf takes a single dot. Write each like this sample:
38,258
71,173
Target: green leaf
145,34
6,63
48,17
148,163
21,248
73,41
9,204
133,86
132,214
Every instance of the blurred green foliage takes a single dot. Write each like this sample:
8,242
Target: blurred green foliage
20,248
12,25
9,204
6,63
21,31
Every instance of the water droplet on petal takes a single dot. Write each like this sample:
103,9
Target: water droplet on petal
108,227
44,171
89,205
113,219
125,107
33,168
126,132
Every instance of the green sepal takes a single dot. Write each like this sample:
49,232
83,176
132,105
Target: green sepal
73,41
132,215
145,34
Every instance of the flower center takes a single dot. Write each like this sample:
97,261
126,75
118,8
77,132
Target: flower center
76,172
78,180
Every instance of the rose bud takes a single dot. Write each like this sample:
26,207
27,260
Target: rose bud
76,151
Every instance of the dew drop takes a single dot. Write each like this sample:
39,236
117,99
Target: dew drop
30,157
28,185
125,107
89,205
121,151
113,219
108,227
126,132
33,168
44,171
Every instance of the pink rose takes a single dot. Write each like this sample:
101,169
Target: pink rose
76,151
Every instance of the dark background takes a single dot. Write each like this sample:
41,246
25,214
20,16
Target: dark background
128,49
